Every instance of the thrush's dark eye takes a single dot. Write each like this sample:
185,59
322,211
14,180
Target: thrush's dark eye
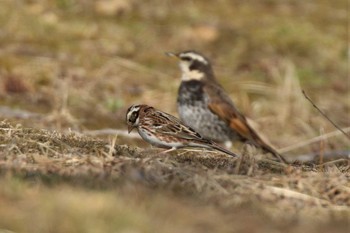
186,59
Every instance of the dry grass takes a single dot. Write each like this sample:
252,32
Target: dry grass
71,67
79,184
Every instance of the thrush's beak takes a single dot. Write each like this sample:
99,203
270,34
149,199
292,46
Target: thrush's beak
170,54
130,128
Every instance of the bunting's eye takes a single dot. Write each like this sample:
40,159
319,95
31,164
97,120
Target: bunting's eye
133,117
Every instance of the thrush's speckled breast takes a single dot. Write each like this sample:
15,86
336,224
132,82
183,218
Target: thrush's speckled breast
204,105
192,104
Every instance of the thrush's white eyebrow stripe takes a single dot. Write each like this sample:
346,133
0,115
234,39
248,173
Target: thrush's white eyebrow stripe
194,56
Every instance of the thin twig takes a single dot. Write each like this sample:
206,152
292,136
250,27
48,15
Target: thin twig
324,115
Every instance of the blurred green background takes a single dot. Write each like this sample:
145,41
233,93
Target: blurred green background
82,63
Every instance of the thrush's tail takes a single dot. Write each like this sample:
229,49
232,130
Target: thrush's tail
259,142
277,155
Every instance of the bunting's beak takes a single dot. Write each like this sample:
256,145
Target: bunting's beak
130,128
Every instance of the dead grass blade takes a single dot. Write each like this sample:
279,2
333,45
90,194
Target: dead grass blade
332,162
297,195
117,132
313,140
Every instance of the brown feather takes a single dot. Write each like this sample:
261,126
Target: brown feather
170,129
240,127
234,120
